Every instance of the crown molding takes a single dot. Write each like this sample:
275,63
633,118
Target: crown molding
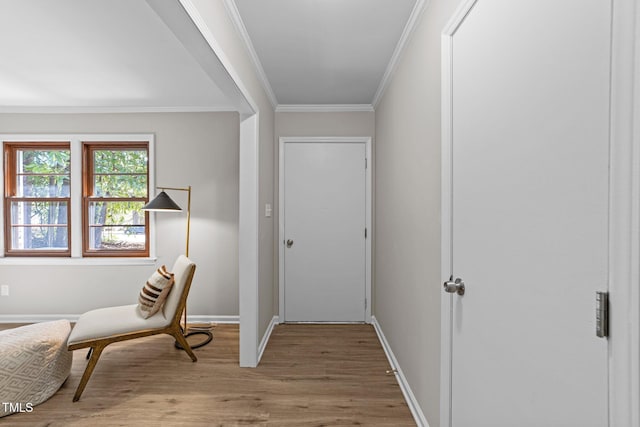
323,108
408,31
110,109
234,13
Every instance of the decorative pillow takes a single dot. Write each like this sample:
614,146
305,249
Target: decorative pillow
155,291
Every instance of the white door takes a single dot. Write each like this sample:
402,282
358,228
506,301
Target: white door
324,232
529,203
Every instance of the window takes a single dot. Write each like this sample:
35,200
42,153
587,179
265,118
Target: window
115,188
37,199
76,196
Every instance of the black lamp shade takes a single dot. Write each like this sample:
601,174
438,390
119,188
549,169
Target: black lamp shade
162,202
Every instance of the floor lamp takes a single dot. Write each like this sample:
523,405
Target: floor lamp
163,203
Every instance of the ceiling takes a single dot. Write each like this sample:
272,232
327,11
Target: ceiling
97,54
123,55
324,51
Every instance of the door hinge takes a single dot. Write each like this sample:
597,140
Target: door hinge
366,163
365,303
602,314
365,233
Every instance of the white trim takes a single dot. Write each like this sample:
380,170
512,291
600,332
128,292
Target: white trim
90,261
267,335
248,229
206,318
234,14
634,375
409,29
624,246
446,300
368,220
77,170
187,25
412,402
324,108
634,297
248,241
249,106
63,137
370,231
315,322
37,318
112,109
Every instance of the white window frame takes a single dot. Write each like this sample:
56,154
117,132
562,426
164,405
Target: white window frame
75,143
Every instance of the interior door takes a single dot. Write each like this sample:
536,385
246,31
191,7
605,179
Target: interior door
324,230
529,178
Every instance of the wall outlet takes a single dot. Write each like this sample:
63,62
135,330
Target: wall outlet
4,291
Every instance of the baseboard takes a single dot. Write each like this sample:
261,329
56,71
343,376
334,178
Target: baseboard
266,336
416,411
37,318
212,319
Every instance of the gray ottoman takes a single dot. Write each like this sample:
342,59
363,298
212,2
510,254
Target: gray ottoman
34,363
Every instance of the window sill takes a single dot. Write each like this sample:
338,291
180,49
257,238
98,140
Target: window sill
77,261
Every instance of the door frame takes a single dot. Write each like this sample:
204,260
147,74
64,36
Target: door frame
624,215
368,211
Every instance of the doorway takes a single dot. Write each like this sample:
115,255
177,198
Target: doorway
325,229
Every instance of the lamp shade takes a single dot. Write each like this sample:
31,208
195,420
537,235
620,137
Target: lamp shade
162,202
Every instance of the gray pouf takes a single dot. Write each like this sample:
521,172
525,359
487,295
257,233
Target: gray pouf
34,363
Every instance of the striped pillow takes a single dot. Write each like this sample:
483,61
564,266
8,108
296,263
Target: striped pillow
155,291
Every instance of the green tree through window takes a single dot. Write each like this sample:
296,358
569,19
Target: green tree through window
37,192
109,194
116,190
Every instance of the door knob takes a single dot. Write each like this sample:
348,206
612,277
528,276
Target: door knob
289,243
454,287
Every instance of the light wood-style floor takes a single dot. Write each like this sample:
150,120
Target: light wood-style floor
310,375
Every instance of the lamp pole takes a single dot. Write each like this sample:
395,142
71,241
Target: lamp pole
163,202
188,190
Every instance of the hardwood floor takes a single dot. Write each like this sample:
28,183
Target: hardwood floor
310,375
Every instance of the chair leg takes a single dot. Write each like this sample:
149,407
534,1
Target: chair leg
95,355
185,345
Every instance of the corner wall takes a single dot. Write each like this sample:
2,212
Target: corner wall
218,21
407,206
197,149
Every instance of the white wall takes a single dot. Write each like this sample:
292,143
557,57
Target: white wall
407,206
357,123
197,149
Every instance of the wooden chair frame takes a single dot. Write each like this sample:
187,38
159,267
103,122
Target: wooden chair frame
98,345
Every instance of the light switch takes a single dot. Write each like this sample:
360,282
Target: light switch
4,290
268,210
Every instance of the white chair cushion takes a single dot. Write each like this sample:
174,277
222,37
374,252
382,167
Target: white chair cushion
34,363
181,269
110,321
